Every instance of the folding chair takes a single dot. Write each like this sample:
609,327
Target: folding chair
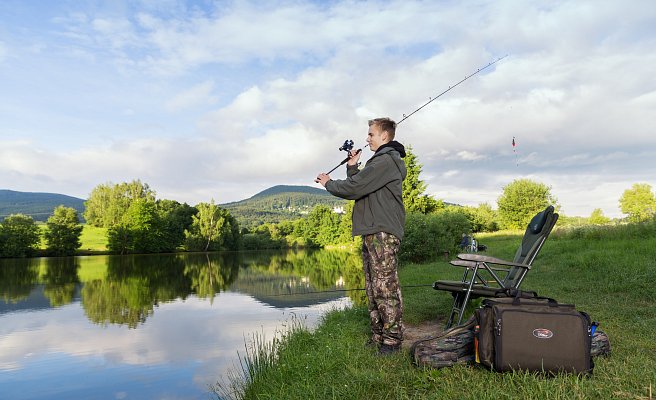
492,277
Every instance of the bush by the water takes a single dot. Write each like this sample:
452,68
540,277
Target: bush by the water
429,235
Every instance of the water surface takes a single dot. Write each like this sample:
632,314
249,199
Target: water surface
153,327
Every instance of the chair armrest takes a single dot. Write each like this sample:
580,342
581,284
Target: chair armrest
463,263
491,260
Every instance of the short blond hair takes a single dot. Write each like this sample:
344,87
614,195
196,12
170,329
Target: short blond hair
385,125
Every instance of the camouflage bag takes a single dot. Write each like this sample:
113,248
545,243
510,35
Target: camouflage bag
454,346
600,344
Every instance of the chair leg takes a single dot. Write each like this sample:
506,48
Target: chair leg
463,305
456,309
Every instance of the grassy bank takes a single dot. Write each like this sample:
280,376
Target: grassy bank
608,272
93,239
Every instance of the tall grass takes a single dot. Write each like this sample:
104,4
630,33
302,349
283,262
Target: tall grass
609,272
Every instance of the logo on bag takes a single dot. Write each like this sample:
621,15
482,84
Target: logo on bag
542,333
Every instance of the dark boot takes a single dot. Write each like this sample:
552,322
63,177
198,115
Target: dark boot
386,349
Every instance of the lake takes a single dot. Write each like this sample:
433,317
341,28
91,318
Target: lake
155,326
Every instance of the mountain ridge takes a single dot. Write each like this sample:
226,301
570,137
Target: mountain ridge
279,203
38,205
271,205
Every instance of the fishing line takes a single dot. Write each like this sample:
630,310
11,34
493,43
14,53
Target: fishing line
343,290
432,99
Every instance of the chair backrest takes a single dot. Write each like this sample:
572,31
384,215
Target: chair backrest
536,233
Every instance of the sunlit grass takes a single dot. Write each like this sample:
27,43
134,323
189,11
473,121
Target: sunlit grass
93,238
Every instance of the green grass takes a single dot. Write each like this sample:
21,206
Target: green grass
609,272
93,238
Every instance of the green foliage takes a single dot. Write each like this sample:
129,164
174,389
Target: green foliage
322,226
639,202
429,235
597,217
138,230
174,218
566,220
135,221
414,198
280,203
521,200
483,218
19,236
108,202
63,232
212,229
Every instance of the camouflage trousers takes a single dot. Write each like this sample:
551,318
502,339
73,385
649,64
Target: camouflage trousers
379,260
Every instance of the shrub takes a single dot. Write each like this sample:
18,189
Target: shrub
19,236
428,235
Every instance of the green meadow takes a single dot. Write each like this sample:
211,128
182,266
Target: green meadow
607,271
94,239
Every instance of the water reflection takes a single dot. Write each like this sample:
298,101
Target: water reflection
152,326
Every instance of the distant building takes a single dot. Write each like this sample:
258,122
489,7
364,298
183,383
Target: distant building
338,209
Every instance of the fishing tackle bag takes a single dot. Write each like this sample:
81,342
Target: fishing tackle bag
533,334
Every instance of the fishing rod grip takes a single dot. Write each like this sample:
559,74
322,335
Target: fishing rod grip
344,161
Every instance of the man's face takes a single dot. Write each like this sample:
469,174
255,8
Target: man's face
376,137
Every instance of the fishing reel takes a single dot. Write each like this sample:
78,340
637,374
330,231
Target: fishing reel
347,146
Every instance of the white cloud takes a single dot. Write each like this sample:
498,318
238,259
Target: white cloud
198,95
469,155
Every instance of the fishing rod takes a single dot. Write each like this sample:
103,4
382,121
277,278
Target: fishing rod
343,290
348,144
431,99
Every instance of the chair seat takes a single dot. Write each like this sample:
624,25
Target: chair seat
461,287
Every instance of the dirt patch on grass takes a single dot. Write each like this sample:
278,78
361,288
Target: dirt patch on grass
424,330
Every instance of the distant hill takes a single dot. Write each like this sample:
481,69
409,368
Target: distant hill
279,203
37,205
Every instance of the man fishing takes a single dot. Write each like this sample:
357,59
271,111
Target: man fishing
379,217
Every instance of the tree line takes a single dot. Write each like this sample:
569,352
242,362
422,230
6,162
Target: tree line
137,222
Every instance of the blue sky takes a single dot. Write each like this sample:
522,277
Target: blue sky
220,100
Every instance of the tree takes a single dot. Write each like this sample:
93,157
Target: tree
19,236
482,217
597,217
138,231
63,231
521,200
638,202
174,219
108,202
414,198
325,225
212,228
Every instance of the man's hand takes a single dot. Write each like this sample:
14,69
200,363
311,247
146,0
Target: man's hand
322,179
355,157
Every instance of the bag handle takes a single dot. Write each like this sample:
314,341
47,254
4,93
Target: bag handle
522,294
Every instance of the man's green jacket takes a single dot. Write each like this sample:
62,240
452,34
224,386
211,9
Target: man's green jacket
377,190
